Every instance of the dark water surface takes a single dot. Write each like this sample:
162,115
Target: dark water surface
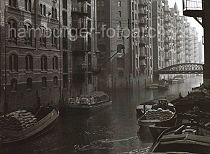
113,131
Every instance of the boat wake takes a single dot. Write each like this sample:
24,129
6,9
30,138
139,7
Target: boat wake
104,144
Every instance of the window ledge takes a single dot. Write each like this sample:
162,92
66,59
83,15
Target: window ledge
28,43
55,46
29,72
55,19
55,70
13,7
27,11
44,71
12,40
29,90
42,16
13,72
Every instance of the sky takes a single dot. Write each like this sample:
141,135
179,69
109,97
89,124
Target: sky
192,21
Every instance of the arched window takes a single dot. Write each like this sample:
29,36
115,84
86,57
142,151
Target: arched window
29,83
44,10
43,39
14,85
44,82
13,3
55,81
12,30
44,63
55,14
29,63
41,9
28,35
13,62
28,5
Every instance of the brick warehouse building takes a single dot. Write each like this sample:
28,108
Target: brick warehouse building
46,69
33,65
133,68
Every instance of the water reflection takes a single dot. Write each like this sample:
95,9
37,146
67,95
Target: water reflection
109,132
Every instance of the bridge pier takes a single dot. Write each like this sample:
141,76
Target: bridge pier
206,25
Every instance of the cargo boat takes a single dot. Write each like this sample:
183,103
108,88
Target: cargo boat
161,116
43,121
184,138
88,104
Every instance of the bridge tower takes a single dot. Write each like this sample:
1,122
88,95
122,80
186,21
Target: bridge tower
200,10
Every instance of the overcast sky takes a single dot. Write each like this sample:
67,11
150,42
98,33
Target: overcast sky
193,22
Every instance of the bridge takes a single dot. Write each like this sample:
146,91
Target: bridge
185,68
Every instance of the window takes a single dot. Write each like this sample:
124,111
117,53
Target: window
65,62
43,39
13,63
120,34
90,79
54,13
102,3
120,24
29,83
28,5
65,4
12,30
120,13
65,39
55,37
28,33
44,63
132,5
120,73
29,63
13,3
65,22
55,63
44,82
119,3
14,85
55,81
43,9
65,81
120,63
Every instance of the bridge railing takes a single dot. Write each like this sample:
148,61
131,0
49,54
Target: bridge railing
185,68
192,5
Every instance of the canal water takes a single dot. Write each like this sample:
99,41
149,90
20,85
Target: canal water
112,131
